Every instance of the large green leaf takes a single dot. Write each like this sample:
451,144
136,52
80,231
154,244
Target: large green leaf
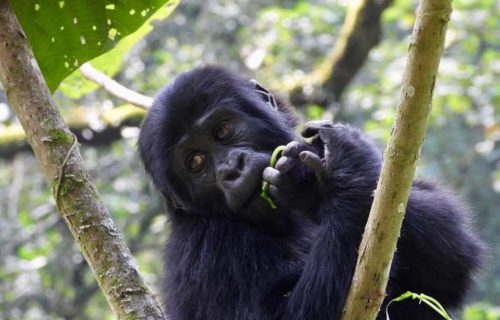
76,85
64,34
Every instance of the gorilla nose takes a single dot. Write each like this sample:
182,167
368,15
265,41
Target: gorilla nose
230,175
231,169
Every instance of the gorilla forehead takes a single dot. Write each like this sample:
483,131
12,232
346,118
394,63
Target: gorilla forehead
196,92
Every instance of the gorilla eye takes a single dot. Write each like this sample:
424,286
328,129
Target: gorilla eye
195,162
224,131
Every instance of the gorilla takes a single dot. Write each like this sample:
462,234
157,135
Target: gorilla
207,142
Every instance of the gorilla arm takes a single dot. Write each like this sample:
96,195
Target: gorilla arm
331,181
437,253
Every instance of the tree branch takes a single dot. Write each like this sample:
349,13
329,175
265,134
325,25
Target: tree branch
114,88
360,33
382,230
79,203
91,125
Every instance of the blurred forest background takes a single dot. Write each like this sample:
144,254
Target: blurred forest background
281,44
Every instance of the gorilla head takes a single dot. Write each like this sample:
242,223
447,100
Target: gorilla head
209,136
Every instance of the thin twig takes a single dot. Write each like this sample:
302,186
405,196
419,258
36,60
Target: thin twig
114,88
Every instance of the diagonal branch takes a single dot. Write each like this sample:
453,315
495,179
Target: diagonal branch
114,88
360,33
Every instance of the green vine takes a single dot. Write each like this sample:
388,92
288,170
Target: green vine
265,185
428,300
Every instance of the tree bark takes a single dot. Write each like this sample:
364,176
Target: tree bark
76,197
377,247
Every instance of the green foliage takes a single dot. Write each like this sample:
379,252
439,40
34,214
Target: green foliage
25,219
314,112
65,34
75,85
402,13
422,298
481,312
299,39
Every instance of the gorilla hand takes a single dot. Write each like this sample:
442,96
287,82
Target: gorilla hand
291,185
322,133
347,165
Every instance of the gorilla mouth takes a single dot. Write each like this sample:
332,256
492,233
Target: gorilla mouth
249,189
254,182
254,195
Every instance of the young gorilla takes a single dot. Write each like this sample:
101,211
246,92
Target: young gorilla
207,142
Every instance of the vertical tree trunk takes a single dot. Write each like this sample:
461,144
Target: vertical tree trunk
57,152
377,247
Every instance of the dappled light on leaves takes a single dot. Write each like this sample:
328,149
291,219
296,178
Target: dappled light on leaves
99,23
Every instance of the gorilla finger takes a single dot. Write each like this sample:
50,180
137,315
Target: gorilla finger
293,149
311,128
277,195
284,164
326,136
313,161
272,176
338,131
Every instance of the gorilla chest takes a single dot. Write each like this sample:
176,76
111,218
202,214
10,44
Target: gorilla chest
227,273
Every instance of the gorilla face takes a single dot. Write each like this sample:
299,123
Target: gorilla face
208,138
215,157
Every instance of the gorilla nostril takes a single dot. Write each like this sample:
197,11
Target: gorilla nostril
230,176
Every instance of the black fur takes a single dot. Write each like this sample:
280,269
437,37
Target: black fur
291,263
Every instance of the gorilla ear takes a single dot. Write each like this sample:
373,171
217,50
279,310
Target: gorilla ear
266,94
